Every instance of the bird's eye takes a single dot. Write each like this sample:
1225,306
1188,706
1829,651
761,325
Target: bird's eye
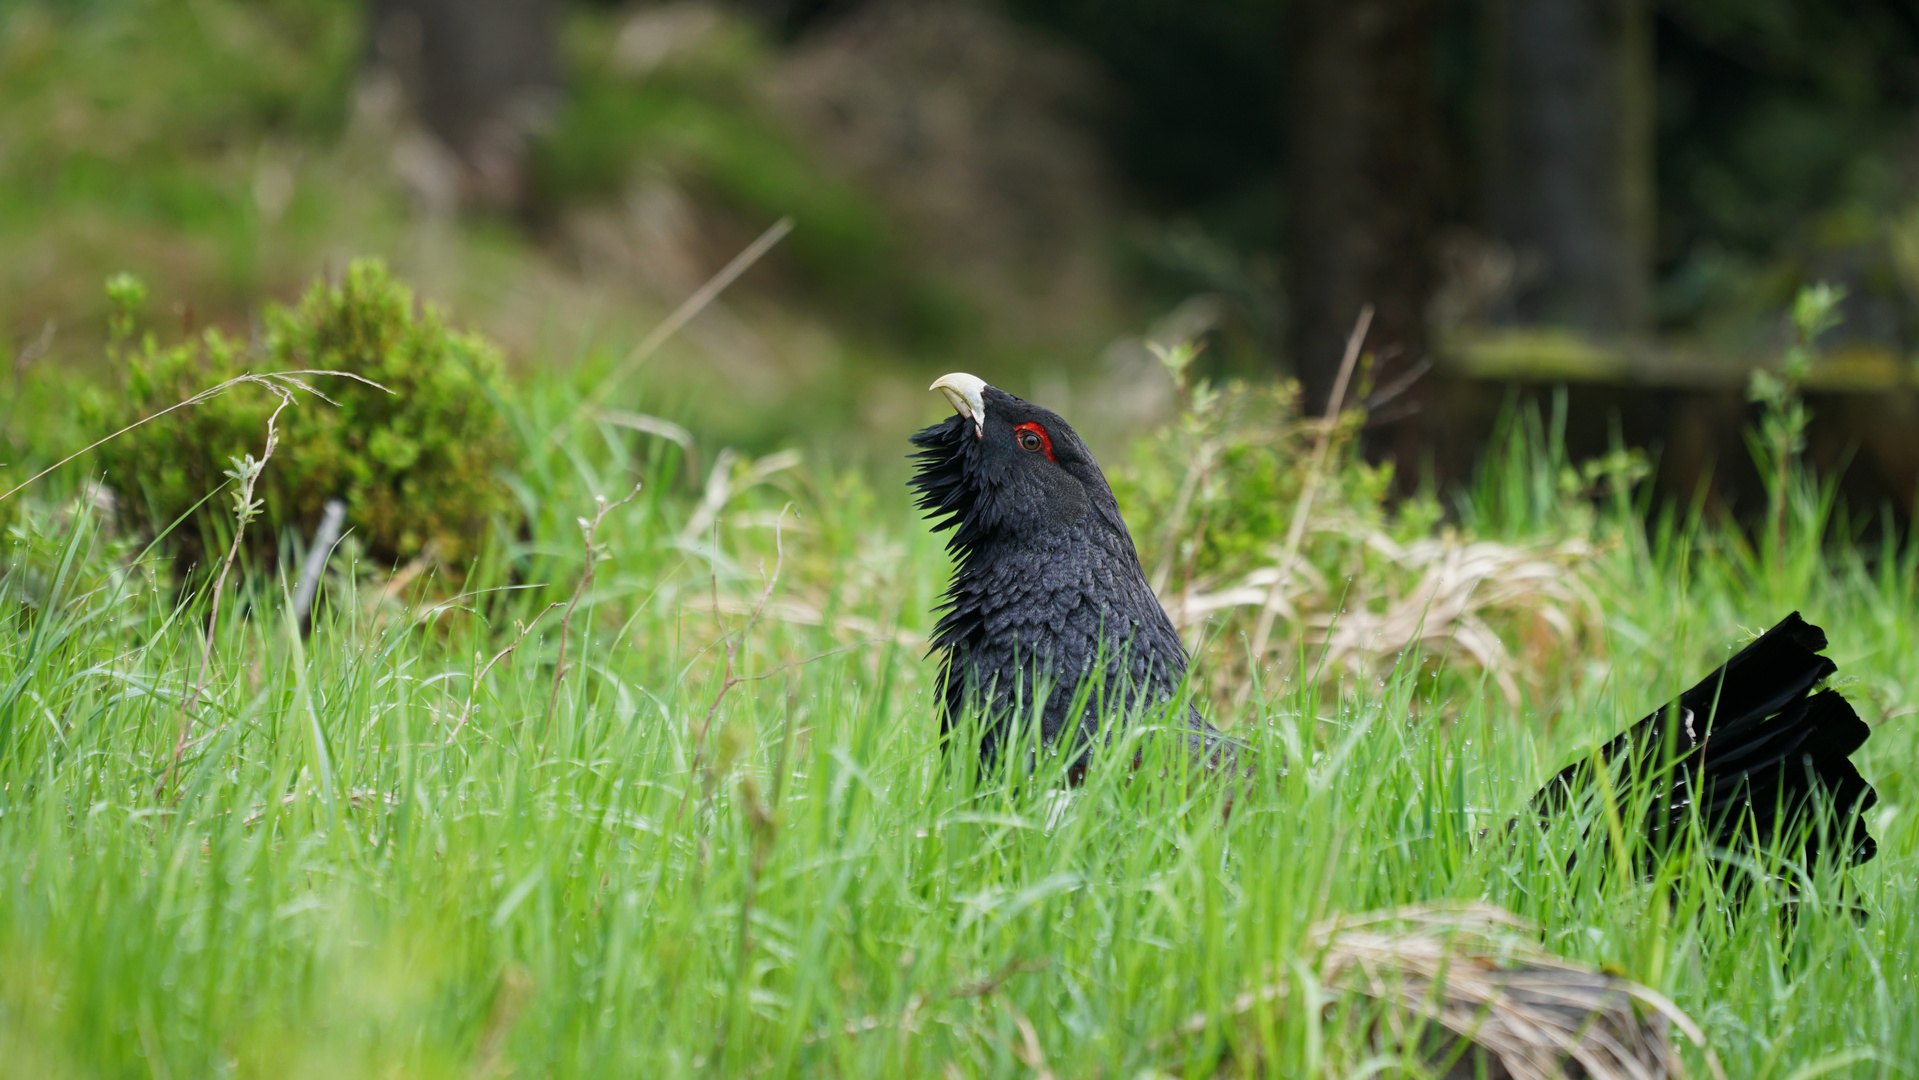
1033,439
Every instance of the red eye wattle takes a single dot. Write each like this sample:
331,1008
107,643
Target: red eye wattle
1032,438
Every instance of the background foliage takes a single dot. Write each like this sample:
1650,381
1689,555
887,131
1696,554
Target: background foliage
414,445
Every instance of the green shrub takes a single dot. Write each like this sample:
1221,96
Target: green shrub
417,466
1222,481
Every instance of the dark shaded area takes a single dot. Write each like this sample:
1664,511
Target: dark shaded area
1696,439
1612,166
1566,180
484,76
1199,120
1770,111
1625,148
1364,162
1757,117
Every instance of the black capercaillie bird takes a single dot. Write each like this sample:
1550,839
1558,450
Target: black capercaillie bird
1049,589
1048,593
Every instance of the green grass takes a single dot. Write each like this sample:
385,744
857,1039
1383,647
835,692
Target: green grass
354,875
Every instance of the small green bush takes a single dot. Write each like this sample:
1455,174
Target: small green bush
417,467
1223,479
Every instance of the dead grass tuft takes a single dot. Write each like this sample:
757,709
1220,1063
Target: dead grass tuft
1442,596
1462,991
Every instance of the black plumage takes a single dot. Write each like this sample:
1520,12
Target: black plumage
1048,587
1048,594
1755,751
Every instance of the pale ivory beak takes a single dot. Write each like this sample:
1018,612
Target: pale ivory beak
964,392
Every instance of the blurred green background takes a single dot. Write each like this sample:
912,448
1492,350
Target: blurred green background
1624,195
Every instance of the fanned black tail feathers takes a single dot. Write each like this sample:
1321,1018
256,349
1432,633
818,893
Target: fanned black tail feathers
1753,750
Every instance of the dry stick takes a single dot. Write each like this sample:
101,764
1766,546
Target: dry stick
28,355
733,647
709,779
1028,1051
905,1021
1196,469
763,814
509,1001
586,579
997,979
729,680
328,534
1196,472
467,710
681,315
1296,532
860,644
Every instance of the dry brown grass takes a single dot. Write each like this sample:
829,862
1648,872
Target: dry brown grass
1443,596
1462,991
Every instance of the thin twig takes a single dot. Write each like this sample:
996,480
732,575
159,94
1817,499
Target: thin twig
474,688
509,1001
202,398
1028,1051
733,647
589,529
245,509
1196,474
1296,532
761,816
906,1020
681,315
728,679
283,385
762,813
997,979
793,664
328,534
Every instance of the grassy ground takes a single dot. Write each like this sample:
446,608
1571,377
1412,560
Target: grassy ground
660,837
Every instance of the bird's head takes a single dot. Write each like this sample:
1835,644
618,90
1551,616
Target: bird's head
1000,467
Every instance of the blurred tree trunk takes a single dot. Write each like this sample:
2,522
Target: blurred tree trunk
1362,165
1569,175
483,77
